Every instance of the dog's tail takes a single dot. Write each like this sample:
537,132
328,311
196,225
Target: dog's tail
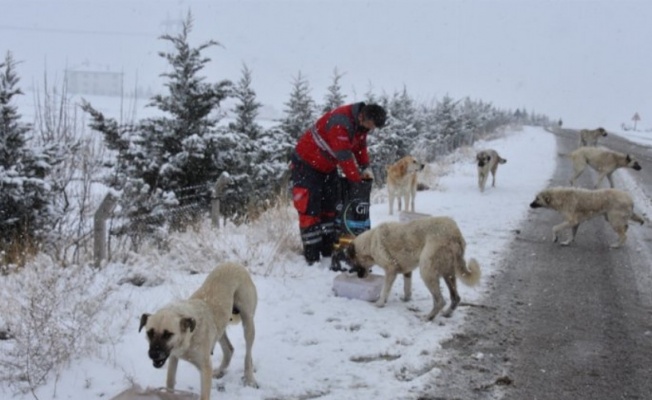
637,218
502,160
470,273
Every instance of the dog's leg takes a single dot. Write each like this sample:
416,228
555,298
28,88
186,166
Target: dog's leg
390,277
438,302
560,227
413,195
206,369
173,362
493,175
249,334
407,286
227,353
574,228
621,230
600,179
391,202
610,179
578,172
451,282
481,181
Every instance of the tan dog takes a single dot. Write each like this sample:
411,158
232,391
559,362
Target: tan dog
590,137
435,245
402,182
488,161
579,205
603,161
189,329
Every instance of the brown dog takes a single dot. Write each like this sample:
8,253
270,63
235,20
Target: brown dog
189,329
402,182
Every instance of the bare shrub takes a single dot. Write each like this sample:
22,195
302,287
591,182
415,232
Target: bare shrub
53,315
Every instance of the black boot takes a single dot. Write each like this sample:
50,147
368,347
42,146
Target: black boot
312,242
327,238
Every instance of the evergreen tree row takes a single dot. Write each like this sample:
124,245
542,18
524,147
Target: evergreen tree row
165,167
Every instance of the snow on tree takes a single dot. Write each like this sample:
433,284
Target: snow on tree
300,108
169,163
265,156
334,96
26,196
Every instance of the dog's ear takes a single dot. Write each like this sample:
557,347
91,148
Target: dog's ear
546,198
143,321
187,323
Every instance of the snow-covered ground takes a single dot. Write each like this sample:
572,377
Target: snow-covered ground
310,342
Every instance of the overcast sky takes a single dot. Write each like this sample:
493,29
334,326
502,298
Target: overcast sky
587,62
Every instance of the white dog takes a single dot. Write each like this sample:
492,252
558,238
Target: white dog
435,245
579,205
604,161
189,329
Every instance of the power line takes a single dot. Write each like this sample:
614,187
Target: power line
75,31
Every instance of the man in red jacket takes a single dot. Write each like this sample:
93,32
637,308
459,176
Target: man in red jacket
337,139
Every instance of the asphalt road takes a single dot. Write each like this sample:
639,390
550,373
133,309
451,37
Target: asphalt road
561,322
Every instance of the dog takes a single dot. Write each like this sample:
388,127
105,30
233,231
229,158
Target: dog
433,244
603,161
590,137
402,182
577,205
189,329
488,161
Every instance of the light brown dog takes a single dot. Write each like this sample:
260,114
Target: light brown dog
189,329
603,161
488,161
579,205
402,182
435,245
589,137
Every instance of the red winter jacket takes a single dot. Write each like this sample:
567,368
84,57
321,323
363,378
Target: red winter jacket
336,139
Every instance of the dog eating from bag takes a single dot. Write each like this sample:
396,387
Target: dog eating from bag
435,245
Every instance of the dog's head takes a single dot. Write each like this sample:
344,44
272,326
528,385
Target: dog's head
541,200
632,163
413,165
166,331
602,132
357,262
483,158
406,165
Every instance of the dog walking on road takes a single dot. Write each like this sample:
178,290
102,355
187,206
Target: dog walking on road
579,205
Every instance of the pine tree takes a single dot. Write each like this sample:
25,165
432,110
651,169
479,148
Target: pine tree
172,161
263,154
246,110
25,197
300,111
334,97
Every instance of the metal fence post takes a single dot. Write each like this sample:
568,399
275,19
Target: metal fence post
99,228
